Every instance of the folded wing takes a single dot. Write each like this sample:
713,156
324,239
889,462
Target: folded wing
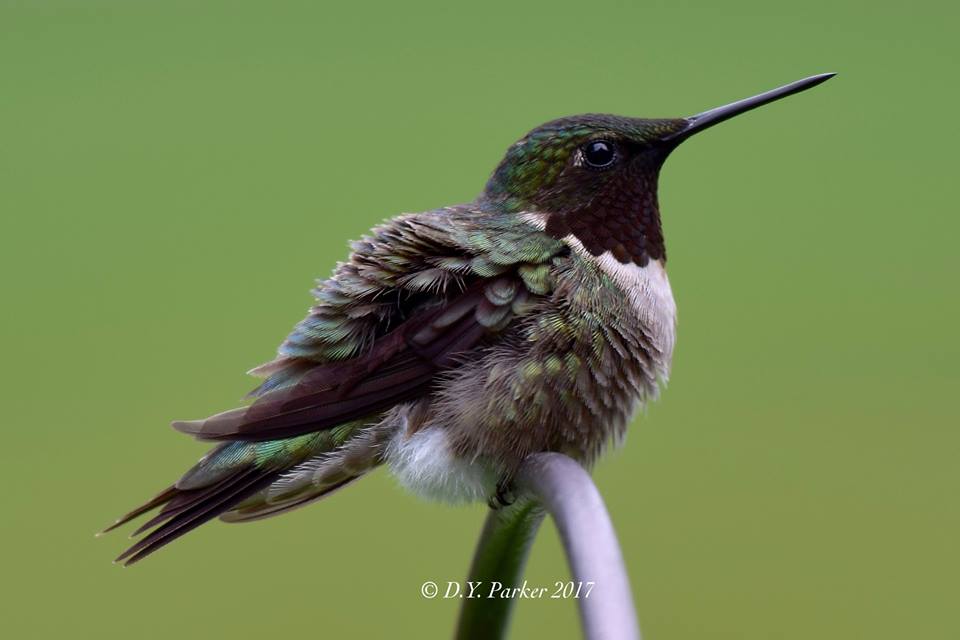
418,296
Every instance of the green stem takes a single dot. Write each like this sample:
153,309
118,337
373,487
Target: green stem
501,556
553,483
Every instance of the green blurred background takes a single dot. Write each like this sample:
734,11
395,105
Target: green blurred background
173,175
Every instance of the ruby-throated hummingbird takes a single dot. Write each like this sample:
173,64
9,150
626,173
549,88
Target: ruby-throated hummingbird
454,343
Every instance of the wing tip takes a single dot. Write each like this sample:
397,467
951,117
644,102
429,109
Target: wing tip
189,427
219,426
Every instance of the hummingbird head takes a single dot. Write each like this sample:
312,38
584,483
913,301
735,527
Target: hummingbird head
594,176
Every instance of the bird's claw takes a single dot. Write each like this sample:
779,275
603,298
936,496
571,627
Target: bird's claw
504,495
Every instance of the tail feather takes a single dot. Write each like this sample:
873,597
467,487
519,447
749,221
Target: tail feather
201,508
263,511
234,481
183,500
161,498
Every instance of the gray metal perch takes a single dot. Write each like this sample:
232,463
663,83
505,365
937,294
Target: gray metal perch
552,483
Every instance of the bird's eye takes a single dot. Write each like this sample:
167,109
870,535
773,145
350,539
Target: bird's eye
599,154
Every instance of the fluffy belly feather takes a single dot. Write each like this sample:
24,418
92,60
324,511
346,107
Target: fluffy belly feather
425,463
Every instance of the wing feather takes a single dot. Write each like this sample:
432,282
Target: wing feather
400,366
417,294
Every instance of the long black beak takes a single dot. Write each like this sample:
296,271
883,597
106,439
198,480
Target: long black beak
707,119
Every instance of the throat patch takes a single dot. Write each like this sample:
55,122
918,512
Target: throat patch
627,226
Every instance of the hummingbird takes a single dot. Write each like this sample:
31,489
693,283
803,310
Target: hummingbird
454,343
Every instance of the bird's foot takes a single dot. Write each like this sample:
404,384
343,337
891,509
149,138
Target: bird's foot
504,495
